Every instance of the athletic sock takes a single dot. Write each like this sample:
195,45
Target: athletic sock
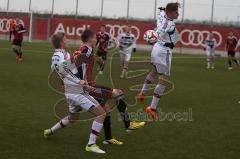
107,128
158,92
208,64
122,108
155,101
61,124
20,54
96,128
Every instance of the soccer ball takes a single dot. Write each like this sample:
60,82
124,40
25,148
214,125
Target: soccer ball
150,36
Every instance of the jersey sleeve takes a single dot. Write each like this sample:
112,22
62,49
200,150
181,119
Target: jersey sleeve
61,66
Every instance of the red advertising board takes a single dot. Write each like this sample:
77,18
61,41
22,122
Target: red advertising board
192,36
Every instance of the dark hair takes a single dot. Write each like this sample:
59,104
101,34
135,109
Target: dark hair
56,39
103,25
86,35
171,7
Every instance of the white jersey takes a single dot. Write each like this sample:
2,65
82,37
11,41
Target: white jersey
61,63
210,45
166,29
127,42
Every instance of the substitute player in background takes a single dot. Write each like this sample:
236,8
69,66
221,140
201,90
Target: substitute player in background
18,32
210,46
127,45
102,47
75,93
84,60
11,28
231,45
161,56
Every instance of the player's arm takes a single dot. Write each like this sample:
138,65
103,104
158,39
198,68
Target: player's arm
134,44
226,46
22,29
238,45
97,40
119,39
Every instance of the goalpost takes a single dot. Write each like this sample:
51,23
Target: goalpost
26,19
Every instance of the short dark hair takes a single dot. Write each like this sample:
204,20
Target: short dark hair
86,35
171,7
56,39
103,25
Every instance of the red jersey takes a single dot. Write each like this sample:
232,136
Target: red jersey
102,41
231,43
18,31
11,24
84,61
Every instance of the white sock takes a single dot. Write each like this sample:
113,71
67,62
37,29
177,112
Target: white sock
208,64
96,128
154,103
61,124
145,88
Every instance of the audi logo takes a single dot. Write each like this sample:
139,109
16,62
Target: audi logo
5,24
115,30
197,37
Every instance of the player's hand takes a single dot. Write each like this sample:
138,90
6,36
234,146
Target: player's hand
170,45
134,50
82,82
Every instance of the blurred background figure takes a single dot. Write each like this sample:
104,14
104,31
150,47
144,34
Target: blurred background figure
11,28
231,45
210,46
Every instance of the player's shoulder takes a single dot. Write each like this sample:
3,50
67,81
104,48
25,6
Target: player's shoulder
58,53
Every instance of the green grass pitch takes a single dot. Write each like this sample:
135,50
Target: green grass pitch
26,106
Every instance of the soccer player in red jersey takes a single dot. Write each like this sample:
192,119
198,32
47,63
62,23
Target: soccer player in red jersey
18,32
102,46
84,60
11,28
231,45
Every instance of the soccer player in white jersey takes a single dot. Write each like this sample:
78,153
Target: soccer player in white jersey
75,93
210,46
127,45
161,56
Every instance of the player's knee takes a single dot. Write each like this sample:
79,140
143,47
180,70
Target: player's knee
159,90
117,92
73,117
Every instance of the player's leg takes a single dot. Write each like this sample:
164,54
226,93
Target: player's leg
10,35
107,128
212,61
104,58
64,122
150,78
122,60
97,125
102,94
158,93
209,60
129,125
234,58
230,60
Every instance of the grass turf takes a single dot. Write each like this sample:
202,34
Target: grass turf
27,108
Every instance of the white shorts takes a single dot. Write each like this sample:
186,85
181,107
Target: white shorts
161,58
77,102
125,57
210,53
